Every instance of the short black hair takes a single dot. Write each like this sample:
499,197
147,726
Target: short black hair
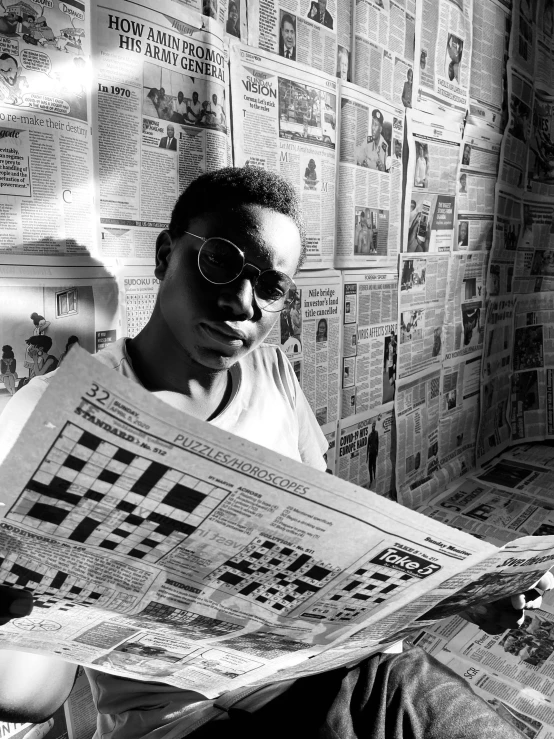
235,186
42,342
287,18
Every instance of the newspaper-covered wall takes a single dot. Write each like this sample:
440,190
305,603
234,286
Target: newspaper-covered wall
369,180
285,119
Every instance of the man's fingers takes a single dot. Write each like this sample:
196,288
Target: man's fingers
14,603
546,582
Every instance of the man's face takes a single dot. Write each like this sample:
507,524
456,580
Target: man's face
8,70
373,426
194,97
398,149
463,231
289,35
343,66
233,14
170,132
180,97
375,128
322,6
410,75
214,99
215,325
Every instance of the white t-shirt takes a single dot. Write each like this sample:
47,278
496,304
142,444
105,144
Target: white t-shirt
268,407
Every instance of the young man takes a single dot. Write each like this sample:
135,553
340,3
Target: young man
202,351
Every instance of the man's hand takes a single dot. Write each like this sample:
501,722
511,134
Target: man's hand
14,603
509,612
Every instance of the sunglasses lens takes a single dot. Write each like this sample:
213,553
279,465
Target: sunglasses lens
273,290
220,261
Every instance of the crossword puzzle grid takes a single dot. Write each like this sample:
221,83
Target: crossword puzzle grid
364,590
90,491
45,582
138,310
270,574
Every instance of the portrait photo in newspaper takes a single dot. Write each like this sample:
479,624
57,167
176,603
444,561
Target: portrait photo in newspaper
373,150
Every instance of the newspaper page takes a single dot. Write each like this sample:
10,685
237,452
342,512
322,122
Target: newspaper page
491,38
313,32
421,311
494,429
369,180
138,291
508,219
523,37
369,340
491,513
532,354
510,671
384,41
540,165
366,448
308,331
195,594
162,117
285,120
47,311
533,270
443,47
515,144
431,185
545,45
46,181
417,407
476,188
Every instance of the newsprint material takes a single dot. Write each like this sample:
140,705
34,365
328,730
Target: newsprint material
161,548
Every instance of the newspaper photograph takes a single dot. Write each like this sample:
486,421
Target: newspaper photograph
369,340
491,38
308,331
421,312
312,32
43,317
417,409
369,180
516,140
432,182
540,164
286,121
330,456
366,448
476,188
443,47
162,112
384,39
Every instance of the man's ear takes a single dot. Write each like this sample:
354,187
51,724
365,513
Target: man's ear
164,247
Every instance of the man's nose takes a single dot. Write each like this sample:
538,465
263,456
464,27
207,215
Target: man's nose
238,297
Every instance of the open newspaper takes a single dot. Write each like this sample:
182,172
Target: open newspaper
162,548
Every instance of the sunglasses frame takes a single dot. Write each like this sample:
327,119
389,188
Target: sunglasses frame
244,264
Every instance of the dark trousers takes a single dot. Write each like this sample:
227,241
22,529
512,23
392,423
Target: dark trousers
402,696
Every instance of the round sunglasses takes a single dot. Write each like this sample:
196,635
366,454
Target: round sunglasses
221,262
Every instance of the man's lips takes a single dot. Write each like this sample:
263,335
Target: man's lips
224,334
